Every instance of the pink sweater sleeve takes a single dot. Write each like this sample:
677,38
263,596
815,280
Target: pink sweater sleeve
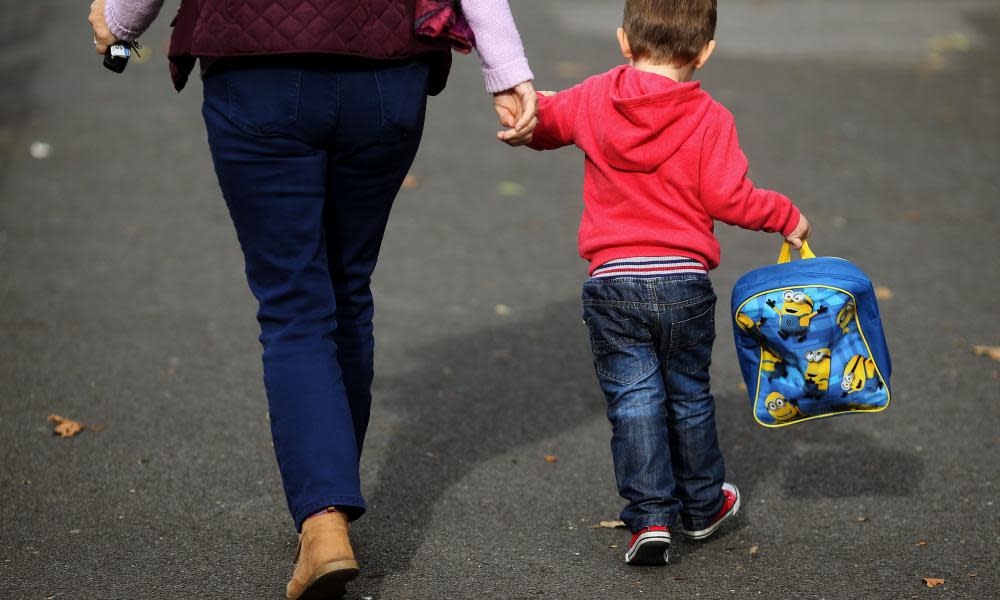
498,43
128,19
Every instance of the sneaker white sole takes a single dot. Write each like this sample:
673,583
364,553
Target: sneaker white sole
704,533
651,549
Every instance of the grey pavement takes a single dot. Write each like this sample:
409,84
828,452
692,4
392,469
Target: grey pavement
123,304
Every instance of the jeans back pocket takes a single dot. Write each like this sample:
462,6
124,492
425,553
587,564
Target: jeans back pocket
402,88
623,349
263,100
691,339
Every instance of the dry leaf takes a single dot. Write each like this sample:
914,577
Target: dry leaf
754,551
862,519
65,427
932,581
922,543
608,524
411,182
142,56
955,40
612,545
502,309
990,351
510,188
883,293
549,458
571,70
742,386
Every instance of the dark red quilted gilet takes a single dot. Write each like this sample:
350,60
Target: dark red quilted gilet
371,28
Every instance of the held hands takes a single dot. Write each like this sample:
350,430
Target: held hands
102,35
800,233
517,110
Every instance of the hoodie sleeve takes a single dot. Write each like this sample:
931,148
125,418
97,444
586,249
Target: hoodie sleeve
726,191
557,119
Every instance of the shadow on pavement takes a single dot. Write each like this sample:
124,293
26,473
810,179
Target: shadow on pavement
472,398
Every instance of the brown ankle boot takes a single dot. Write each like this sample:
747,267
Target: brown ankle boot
324,561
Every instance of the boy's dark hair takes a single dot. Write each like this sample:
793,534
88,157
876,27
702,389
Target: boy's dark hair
669,31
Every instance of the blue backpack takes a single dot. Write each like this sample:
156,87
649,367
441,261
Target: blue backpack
809,340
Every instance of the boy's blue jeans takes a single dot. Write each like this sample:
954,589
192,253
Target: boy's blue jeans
652,342
310,152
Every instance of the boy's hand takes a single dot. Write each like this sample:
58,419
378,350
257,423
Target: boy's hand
517,109
800,233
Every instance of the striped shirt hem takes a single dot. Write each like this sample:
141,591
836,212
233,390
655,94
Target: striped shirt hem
648,266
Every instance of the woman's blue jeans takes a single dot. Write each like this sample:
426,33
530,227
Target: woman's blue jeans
652,342
310,153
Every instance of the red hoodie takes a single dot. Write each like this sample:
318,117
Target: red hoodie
662,164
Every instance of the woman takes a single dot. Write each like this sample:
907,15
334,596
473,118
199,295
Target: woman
314,117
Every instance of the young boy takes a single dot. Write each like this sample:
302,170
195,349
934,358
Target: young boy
662,163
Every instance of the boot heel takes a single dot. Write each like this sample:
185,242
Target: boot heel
331,580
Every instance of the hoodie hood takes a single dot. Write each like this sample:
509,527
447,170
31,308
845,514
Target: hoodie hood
651,119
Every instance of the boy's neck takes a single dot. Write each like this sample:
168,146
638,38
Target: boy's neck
678,74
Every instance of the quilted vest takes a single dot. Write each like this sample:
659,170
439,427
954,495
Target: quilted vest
379,29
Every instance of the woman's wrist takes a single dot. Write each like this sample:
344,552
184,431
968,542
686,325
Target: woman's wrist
508,75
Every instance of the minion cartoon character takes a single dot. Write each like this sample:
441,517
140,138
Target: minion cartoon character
772,364
857,373
817,371
751,327
780,409
796,312
846,316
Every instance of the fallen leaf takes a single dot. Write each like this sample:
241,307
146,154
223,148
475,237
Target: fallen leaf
742,386
510,188
679,578
970,575
612,545
502,309
932,581
143,55
883,293
990,351
549,458
606,524
861,519
411,182
65,427
922,543
754,551
949,41
571,70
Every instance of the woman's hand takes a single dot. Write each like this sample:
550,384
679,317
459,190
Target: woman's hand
102,35
517,110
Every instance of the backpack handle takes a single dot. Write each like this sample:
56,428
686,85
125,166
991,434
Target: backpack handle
786,252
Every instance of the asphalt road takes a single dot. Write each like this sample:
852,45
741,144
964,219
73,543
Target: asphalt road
123,304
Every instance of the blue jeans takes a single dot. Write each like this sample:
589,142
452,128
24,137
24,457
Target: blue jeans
310,153
652,342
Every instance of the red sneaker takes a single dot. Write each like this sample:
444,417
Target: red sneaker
730,506
649,547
